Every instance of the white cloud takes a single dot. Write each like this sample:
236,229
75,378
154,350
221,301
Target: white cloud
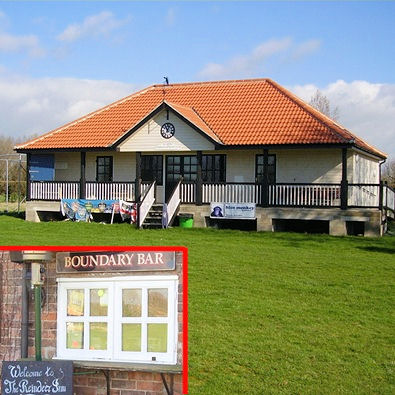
92,26
306,48
366,109
252,63
35,106
27,43
245,64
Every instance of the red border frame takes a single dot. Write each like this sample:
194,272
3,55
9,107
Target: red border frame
184,250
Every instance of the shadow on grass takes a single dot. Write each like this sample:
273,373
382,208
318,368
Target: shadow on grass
13,214
383,250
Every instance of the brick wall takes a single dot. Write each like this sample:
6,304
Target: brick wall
121,382
10,308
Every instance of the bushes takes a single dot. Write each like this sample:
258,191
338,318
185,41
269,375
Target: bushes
12,191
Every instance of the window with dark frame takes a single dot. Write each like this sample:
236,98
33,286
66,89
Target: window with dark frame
181,166
104,168
152,168
214,168
271,171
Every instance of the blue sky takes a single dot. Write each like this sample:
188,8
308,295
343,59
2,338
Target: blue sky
344,48
151,39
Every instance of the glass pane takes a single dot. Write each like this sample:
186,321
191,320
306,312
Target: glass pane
131,303
194,160
75,335
98,302
271,159
131,337
157,302
98,336
157,337
75,302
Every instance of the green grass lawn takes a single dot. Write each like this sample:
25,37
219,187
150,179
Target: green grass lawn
269,312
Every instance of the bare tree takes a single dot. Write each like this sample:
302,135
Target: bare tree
7,144
388,172
321,103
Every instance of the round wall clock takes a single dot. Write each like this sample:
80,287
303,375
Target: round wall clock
167,130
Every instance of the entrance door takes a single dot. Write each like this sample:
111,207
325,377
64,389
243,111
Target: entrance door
179,166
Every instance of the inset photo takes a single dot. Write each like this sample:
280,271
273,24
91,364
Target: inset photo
97,320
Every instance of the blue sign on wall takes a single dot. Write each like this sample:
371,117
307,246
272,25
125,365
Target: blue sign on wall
41,167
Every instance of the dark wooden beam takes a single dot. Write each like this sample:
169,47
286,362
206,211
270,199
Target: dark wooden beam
344,182
83,176
28,157
138,175
199,183
265,178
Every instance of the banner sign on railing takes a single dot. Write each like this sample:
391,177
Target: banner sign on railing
82,209
232,210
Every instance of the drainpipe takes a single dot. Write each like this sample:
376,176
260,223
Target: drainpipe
37,258
25,313
381,187
37,320
380,164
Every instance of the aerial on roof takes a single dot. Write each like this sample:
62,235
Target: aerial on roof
231,113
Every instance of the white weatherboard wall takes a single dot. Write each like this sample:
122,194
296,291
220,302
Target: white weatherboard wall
292,166
310,165
240,165
67,166
366,170
148,138
124,165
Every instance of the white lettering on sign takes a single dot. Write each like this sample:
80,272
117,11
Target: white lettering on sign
146,259
120,261
25,387
36,378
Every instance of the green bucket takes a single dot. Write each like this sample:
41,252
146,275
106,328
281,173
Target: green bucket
186,220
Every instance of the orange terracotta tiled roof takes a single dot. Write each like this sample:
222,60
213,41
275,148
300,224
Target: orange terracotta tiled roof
241,112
